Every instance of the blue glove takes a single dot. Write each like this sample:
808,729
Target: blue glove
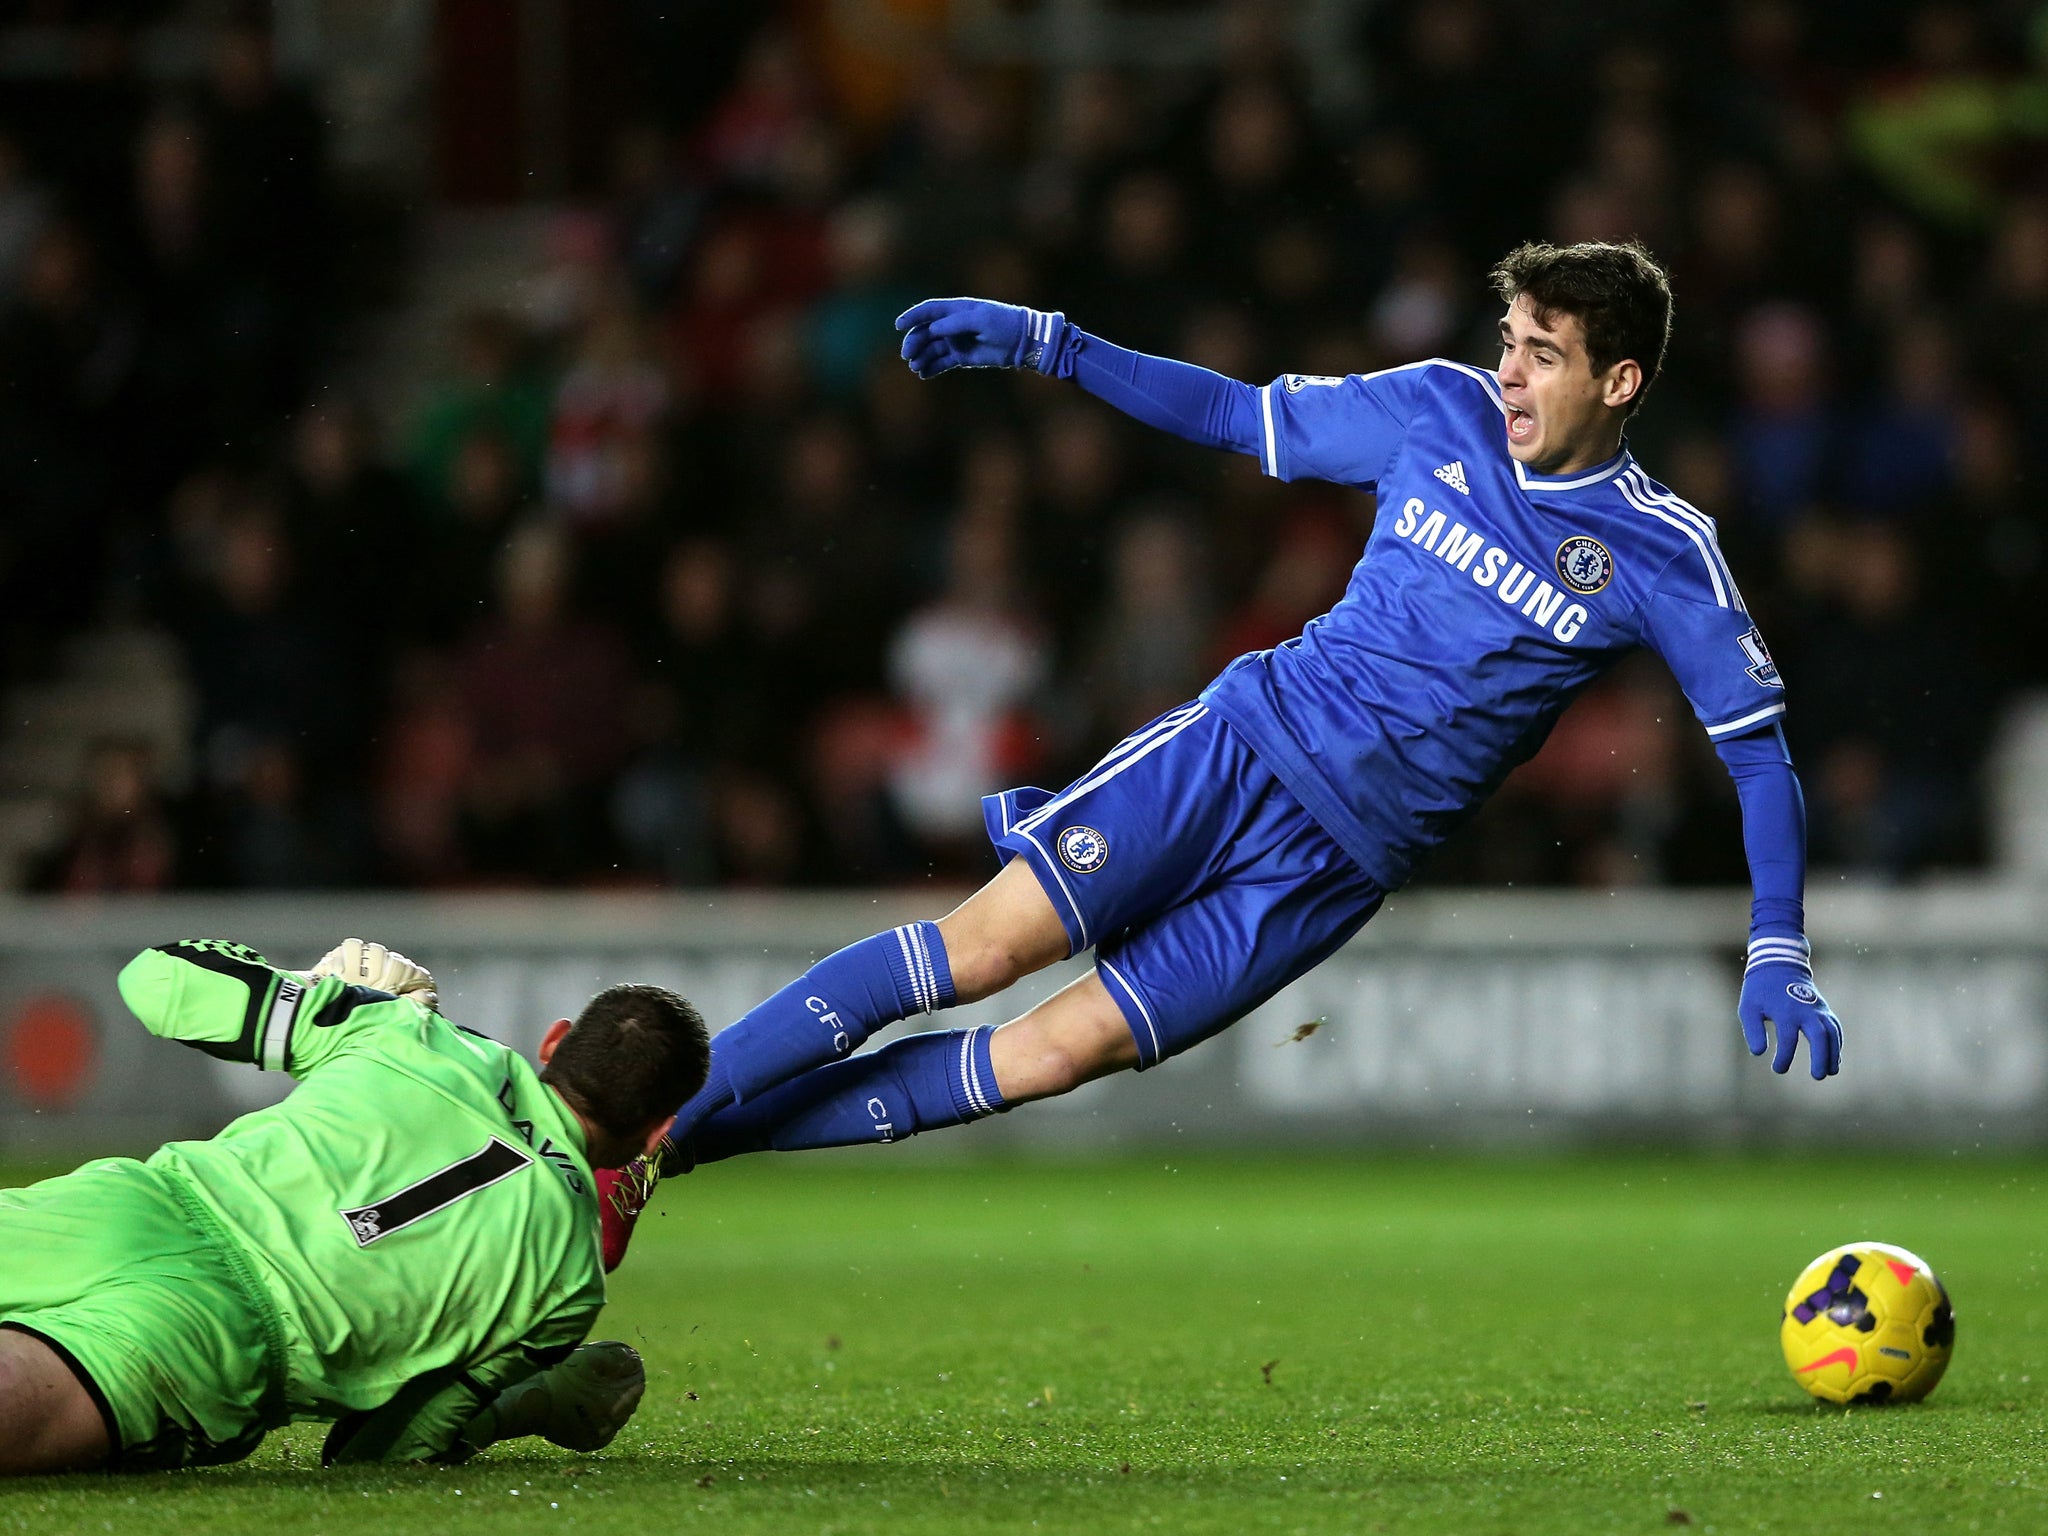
977,333
1777,986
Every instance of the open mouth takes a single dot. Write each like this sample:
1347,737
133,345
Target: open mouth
1521,425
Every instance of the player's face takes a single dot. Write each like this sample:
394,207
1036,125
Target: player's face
1562,416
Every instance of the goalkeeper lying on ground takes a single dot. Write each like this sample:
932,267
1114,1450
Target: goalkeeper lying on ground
407,1246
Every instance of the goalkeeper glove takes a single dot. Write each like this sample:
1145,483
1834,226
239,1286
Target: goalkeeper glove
977,333
1777,988
382,970
579,1405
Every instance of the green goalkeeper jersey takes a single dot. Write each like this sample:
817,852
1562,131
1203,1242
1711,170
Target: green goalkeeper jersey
420,1210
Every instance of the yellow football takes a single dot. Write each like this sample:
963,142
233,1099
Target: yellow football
1868,1323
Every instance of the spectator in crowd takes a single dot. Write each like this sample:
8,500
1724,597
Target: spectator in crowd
847,329
1137,267
1607,778
121,840
1785,428
657,211
1145,655
485,502
1892,718
263,665
1901,455
68,389
967,668
544,694
352,513
1080,473
952,173
1985,544
281,829
492,392
1311,557
24,207
605,425
660,805
2012,308
421,771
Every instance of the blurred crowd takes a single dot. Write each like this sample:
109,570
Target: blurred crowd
680,577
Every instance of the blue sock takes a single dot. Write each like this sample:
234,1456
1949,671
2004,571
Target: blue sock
826,1013
919,1083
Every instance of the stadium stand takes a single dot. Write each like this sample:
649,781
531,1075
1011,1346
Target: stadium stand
605,541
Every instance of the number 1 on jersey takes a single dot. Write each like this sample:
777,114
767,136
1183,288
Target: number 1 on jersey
496,1160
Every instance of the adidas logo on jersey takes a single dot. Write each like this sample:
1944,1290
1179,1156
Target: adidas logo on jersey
1453,475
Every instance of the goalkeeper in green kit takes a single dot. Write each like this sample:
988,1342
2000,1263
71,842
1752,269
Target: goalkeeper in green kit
406,1247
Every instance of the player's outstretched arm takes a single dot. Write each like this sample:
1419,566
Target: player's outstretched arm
1204,407
1777,983
227,1000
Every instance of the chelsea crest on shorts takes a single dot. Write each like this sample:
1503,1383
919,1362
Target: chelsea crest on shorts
1083,849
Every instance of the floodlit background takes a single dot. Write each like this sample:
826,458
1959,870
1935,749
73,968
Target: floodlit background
457,449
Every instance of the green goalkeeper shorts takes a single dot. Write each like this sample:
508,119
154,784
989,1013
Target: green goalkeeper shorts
120,1270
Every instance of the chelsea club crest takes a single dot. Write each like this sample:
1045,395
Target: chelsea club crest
1584,564
1083,849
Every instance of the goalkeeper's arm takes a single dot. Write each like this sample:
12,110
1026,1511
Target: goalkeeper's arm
227,1000
577,1398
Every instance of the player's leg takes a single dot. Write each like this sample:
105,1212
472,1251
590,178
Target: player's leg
1270,896
1158,990
1057,895
1284,896
1073,1037
1156,798
930,1081
1201,967
105,1271
49,1421
1006,930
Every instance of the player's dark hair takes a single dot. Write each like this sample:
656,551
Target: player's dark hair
1618,294
634,1054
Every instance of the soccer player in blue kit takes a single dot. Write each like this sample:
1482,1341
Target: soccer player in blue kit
1232,844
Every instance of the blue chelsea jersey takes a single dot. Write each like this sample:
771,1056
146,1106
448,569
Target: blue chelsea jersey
1487,598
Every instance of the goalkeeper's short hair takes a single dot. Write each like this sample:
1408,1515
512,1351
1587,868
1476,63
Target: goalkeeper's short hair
634,1054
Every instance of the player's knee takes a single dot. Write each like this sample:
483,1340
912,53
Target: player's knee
13,1388
20,1414
1065,1064
1004,931
982,965
1063,1067
1034,1069
21,1371
1039,1058
47,1423
985,957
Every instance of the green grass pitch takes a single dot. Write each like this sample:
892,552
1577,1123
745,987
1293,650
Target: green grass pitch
875,1342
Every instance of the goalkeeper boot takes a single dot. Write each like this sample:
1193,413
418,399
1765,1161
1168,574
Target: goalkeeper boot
623,1193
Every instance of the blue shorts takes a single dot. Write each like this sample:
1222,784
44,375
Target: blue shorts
1201,882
